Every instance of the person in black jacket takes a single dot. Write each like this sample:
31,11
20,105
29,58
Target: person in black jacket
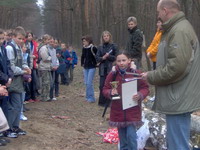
106,55
88,62
6,74
134,44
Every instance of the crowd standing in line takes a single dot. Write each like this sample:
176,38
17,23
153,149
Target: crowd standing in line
24,63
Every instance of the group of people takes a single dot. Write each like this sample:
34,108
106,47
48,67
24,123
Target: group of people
113,66
29,69
175,54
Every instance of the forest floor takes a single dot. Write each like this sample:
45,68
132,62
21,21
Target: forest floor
77,130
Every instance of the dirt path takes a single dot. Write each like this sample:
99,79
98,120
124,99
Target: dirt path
77,132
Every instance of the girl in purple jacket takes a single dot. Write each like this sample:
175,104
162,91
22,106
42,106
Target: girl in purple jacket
125,120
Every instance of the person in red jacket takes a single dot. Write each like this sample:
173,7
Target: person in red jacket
32,50
125,120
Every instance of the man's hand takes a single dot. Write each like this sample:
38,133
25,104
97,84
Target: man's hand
133,66
144,75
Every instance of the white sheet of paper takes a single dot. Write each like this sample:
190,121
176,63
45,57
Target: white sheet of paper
128,90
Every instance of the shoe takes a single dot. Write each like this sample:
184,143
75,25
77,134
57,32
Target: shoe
5,140
25,102
56,95
36,100
10,134
31,101
50,100
1,134
19,131
23,118
2,142
54,99
102,104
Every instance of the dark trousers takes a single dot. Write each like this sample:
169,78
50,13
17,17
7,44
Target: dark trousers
14,109
102,99
69,74
154,65
31,93
4,105
56,83
64,78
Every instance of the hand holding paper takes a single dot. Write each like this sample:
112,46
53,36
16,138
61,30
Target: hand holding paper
136,97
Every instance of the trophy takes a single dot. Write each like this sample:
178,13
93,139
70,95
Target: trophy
114,85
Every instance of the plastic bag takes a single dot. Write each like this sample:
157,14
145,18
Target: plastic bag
143,134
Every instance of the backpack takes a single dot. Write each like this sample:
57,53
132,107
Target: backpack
14,49
39,58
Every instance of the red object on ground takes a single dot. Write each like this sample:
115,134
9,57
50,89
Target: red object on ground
60,117
110,136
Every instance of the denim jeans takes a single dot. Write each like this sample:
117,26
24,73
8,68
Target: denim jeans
23,99
128,138
178,131
88,79
15,103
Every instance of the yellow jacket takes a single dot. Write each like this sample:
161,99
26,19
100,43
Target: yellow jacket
153,48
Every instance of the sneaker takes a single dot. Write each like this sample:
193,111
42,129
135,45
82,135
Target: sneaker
23,118
1,134
19,131
5,140
2,142
36,100
54,99
10,134
31,101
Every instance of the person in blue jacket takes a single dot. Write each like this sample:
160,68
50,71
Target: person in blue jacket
71,60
